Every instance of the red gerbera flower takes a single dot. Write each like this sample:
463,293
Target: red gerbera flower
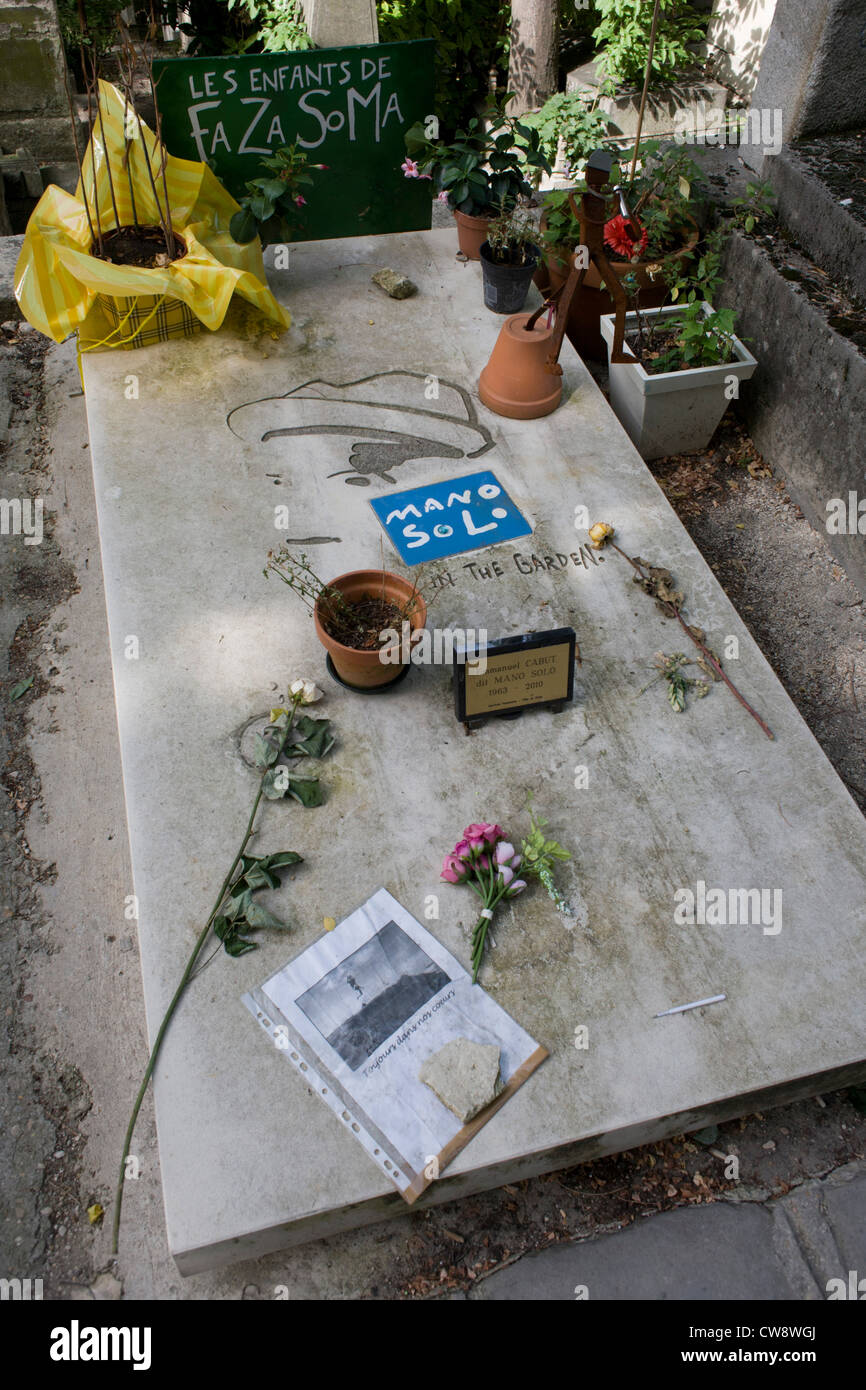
617,237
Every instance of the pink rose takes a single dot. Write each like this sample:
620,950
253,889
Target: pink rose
484,833
517,887
504,852
453,869
506,874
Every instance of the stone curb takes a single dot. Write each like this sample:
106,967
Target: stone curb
797,407
825,229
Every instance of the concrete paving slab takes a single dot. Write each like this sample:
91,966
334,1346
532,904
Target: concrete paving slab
845,1209
713,1253
251,1160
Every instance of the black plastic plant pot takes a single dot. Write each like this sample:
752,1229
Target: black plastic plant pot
506,286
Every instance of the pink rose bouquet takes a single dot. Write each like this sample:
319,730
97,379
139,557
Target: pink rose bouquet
488,863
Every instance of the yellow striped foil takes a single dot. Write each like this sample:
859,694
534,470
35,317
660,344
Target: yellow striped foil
61,287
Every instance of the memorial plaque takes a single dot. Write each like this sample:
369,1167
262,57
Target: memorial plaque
533,670
347,108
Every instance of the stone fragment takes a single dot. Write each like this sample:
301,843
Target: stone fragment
397,285
106,1288
464,1075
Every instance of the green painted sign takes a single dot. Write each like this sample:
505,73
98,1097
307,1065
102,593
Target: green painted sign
347,107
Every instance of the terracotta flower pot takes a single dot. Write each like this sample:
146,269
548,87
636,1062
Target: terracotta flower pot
366,669
516,381
471,232
590,301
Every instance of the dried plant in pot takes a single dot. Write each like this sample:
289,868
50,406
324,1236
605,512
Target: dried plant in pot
367,620
509,259
138,254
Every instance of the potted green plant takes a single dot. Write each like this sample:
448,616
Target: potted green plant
509,259
355,616
272,206
661,198
673,396
480,171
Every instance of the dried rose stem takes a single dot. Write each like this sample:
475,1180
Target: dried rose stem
153,30
105,147
90,122
674,612
74,123
127,70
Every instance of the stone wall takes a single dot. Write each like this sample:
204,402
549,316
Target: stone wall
335,22
736,35
814,66
33,108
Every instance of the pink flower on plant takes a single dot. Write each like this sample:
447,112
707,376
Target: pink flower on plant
410,168
442,197
300,200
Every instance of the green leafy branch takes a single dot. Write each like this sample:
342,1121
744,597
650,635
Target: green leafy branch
539,857
235,913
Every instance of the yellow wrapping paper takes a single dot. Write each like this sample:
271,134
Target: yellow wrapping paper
61,287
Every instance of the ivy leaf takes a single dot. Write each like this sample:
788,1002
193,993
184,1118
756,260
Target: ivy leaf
18,690
239,901
258,916
317,746
275,783
238,946
282,860
258,877
306,790
265,753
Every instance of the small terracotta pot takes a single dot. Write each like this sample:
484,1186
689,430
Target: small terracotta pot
516,381
366,669
471,233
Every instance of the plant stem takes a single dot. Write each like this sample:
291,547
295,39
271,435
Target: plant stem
479,935
674,612
184,981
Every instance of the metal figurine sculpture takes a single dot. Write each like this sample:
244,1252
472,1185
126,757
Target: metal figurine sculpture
593,214
517,379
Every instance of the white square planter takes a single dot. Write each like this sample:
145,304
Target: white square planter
671,412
